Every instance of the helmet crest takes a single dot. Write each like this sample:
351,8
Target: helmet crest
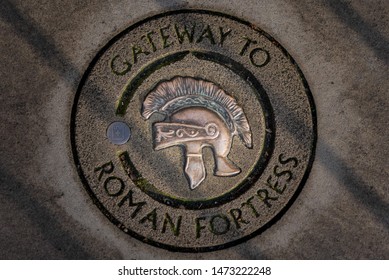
183,92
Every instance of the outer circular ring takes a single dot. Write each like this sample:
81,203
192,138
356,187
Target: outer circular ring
171,247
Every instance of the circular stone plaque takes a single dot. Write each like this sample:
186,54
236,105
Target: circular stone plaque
193,130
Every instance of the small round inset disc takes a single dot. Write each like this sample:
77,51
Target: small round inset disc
118,133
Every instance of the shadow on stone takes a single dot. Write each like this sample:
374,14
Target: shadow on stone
370,35
68,240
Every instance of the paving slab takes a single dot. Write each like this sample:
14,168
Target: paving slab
337,205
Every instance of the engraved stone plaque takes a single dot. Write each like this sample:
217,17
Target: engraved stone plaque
193,130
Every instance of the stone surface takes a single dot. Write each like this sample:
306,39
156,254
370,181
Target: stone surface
342,49
224,130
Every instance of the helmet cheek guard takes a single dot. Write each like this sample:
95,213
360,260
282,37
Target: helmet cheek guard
198,114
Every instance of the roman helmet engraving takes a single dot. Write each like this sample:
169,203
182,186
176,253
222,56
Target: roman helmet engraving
198,114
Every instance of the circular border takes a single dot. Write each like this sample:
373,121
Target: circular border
172,247
268,145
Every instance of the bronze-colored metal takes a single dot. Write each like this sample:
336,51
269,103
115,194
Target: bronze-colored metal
198,114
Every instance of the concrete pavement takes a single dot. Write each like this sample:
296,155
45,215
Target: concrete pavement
340,46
